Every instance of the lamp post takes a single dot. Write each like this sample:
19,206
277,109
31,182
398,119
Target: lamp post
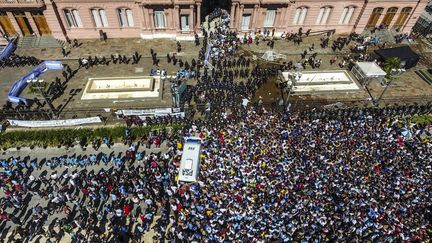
37,83
281,84
293,78
394,73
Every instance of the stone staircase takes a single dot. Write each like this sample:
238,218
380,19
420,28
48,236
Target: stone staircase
27,42
383,35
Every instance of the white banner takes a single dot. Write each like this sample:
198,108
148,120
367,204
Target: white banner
55,123
176,114
145,112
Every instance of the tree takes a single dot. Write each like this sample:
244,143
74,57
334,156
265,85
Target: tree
391,63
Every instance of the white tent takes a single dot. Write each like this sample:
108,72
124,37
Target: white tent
366,71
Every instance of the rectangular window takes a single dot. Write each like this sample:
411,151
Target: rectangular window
129,18
184,20
245,22
270,18
159,19
73,18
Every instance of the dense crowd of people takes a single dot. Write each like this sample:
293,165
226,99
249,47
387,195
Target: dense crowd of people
19,61
264,177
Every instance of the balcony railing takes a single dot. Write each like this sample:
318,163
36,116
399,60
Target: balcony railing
21,3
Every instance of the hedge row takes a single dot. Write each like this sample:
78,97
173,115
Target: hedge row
54,137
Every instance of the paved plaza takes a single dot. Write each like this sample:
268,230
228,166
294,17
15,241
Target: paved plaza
407,85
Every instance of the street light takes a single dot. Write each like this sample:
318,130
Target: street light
394,73
293,78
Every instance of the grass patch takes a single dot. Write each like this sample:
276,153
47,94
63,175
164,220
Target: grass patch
422,120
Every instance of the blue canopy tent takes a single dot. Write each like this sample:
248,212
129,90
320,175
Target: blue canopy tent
7,50
20,84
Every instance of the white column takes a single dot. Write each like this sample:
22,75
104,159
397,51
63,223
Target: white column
254,17
152,22
239,17
232,15
198,24
277,22
191,18
177,17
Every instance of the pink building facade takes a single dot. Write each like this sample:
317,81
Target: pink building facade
180,19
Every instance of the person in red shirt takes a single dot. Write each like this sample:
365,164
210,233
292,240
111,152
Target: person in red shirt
157,142
126,209
85,191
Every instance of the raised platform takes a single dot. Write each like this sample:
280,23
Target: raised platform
122,88
324,81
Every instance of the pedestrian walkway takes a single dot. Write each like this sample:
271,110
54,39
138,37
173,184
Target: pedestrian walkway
111,47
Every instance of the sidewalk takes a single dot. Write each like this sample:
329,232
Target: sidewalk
113,46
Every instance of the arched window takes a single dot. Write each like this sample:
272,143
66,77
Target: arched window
403,16
388,17
373,19
73,18
300,15
99,17
346,15
323,15
6,24
125,17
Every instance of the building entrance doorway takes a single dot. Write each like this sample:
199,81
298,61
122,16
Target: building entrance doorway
6,24
208,6
388,17
373,19
41,23
403,16
23,23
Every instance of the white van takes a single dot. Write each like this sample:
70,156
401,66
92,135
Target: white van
191,160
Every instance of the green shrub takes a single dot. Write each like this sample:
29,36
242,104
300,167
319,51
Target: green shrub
53,137
422,119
